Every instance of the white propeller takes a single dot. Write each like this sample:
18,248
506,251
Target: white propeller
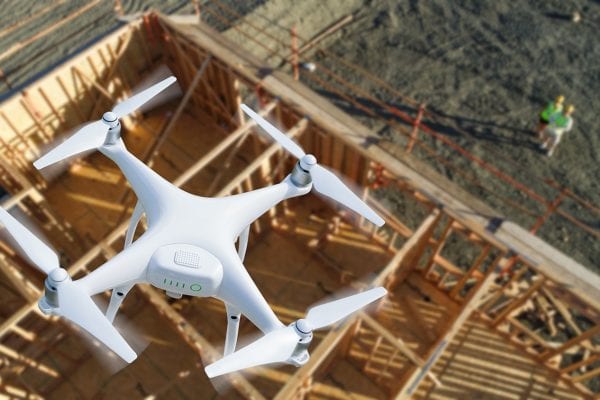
279,345
37,251
93,135
324,181
73,302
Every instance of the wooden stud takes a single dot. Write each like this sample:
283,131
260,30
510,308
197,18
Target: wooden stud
72,102
153,152
515,303
485,251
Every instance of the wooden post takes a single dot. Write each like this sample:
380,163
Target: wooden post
590,333
167,129
34,114
119,8
196,6
295,52
416,127
455,292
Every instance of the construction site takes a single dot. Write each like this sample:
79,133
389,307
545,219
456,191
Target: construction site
478,307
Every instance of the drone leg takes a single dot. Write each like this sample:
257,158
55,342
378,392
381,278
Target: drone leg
233,326
116,298
136,216
243,243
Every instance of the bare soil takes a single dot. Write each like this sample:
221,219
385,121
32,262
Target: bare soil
486,69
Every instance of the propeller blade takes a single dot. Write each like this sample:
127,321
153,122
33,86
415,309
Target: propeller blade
89,137
275,346
275,133
136,101
77,306
326,183
330,313
42,256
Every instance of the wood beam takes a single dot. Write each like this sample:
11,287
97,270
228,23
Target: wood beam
335,336
112,68
416,375
397,343
259,161
164,133
219,148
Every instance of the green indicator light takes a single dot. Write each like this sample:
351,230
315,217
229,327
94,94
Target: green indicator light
195,287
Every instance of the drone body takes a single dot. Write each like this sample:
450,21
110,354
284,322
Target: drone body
189,249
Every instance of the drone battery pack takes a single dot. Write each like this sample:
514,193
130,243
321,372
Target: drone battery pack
185,269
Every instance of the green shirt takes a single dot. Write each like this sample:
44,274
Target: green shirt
550,110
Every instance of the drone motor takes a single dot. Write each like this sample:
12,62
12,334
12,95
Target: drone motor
50,299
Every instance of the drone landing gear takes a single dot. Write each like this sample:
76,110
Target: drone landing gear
136,216
243,243
116,298
119,293
233,327
233,315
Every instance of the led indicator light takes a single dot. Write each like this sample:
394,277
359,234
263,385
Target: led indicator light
195,287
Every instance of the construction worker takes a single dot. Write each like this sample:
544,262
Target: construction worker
559,123
551,108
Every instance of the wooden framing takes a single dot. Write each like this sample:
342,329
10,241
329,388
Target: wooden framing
547,308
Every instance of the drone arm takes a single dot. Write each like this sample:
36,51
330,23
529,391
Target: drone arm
233,327
152,190
238,291
116,299
247,207
126,268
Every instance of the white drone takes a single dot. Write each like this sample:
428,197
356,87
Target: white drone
189,248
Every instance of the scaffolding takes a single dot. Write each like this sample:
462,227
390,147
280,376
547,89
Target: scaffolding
478,306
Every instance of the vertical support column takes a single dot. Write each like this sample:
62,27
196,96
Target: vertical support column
236,95
294,35
119,8
416,127
196,6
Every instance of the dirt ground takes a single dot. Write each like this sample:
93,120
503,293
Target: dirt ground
484,69
21,20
